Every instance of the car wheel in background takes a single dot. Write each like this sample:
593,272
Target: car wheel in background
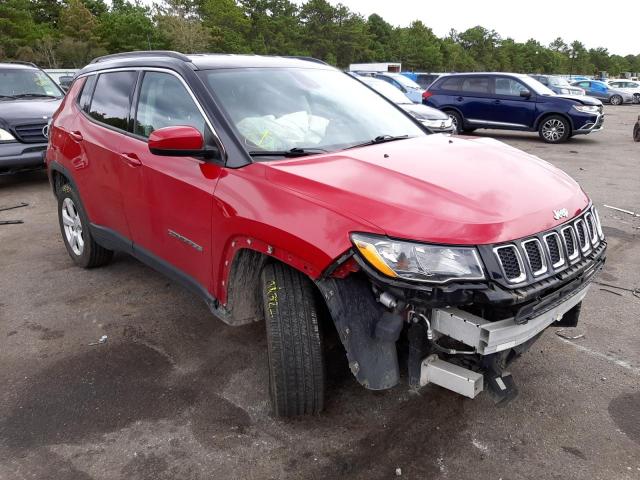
294,342
636,98
615,100
456,119
74,226
554,129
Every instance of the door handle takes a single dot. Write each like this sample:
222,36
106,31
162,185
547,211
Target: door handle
497,102
459,99
76,136
131,159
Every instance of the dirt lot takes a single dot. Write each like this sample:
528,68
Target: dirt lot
176,394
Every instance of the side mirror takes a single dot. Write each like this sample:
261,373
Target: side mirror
525,93
179,141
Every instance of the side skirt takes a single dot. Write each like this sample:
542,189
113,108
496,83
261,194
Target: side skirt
114,241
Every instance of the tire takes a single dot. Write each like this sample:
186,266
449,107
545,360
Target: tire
615,100
554,129
457,120
636,98
74,227
294,341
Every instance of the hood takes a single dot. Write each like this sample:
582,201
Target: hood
14,112
583,99
423,112
437,189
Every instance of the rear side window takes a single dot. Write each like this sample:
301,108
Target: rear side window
476,85
453,84
165,102
87,90
111,99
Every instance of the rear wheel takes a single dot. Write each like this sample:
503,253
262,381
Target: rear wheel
554,129
456,119
74,225
636,98
615,100
296,361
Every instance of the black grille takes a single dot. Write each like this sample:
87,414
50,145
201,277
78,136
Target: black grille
568,240
534,255
31,133
510,265
554,249
582,239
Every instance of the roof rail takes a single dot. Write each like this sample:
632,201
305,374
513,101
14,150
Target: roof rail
143,53
307,59
18,62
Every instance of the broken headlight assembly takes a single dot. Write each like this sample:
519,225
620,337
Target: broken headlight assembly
419,262
587,108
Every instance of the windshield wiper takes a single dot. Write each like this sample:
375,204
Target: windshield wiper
379,139
294,152
34,95
7,96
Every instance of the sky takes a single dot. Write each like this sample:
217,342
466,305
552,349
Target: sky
613,25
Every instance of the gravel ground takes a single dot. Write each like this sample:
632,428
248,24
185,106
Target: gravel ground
176,394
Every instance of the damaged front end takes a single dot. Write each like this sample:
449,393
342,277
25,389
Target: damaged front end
459,333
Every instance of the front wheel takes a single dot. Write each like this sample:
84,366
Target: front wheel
554,129
294,342
615,100
636,98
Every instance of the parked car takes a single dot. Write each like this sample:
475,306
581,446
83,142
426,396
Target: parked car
511,101
558,85
627,86
410,88
63,77
435,120
280,189
422,79
28,98
602,91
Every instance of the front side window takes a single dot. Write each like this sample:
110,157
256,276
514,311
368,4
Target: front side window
277,109
509,86
27,82
112,97
165,102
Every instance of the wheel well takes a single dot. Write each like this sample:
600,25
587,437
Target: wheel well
58,181
551,114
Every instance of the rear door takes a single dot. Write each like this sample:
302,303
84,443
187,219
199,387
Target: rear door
168,200
94,137
476,99
508,108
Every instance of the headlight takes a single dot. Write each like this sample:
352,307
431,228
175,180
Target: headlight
437,123
6,136
587,108
417,261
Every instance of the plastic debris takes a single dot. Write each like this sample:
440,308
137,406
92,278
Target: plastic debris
11,207
618,209
568,337
103,339
398,472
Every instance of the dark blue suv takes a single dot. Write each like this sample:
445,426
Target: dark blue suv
511,101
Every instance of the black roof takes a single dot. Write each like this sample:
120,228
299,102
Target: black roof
201,61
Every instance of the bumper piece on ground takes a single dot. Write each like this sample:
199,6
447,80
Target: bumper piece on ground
452,377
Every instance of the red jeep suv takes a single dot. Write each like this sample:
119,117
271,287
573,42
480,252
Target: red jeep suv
282,189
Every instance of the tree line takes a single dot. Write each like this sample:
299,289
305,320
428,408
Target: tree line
69,33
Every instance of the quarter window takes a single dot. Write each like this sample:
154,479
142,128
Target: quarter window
451,84
165,102
111,100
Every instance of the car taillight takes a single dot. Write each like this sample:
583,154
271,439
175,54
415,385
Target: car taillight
426,94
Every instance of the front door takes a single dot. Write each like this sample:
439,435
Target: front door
509,109
169,199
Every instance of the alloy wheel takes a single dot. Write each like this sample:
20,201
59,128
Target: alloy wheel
616,100
553,130
72,226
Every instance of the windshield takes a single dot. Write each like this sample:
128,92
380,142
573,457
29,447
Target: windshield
559,82
16,82
282,109
535,85
387,90
406,82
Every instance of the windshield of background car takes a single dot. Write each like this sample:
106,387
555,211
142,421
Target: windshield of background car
404,81
274,109
387,90
14,82
558,82
535,85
